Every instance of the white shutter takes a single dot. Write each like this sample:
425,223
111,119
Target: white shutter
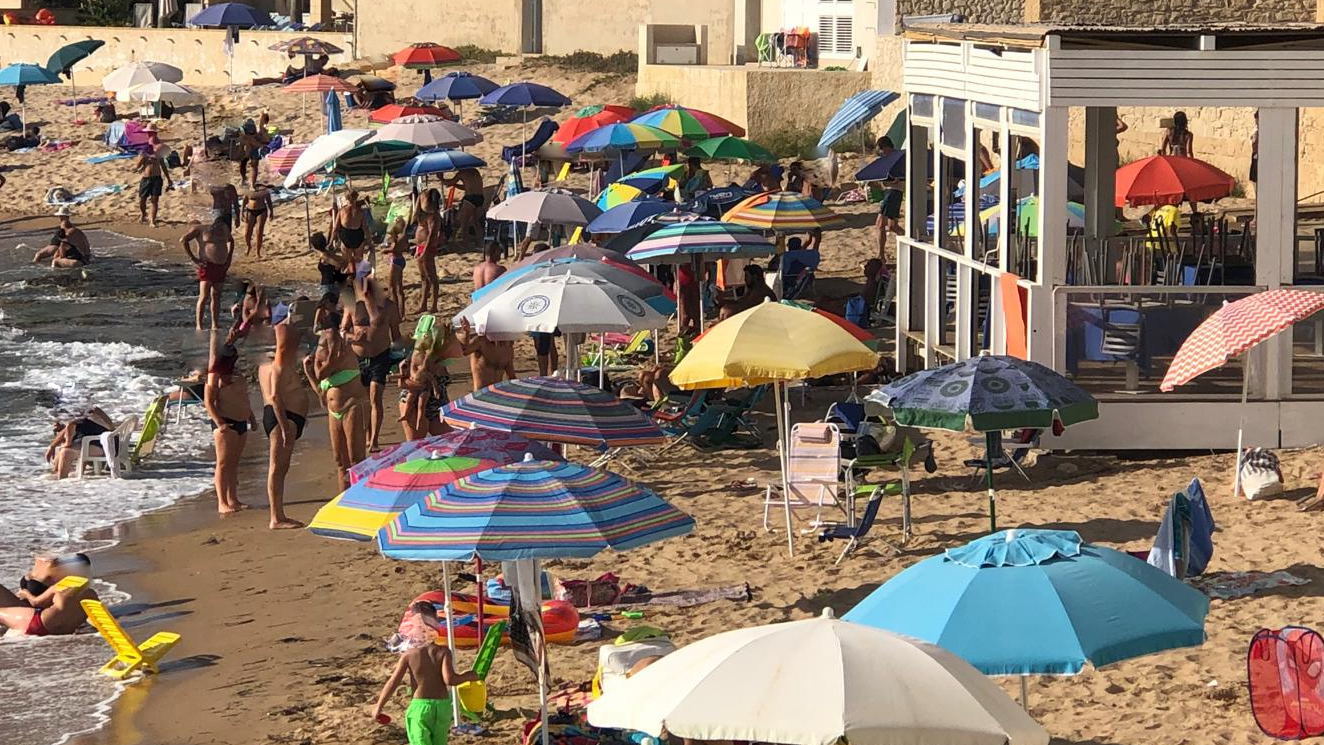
836,36
845,35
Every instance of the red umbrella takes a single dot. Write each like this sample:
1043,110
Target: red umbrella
424,55
319,84
590,118
282,160
391,112
1170,179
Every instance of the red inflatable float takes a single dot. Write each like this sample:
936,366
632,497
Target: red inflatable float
560,619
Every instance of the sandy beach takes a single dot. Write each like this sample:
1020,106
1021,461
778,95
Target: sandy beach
283,631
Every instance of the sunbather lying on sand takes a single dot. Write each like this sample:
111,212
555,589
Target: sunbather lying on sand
40,608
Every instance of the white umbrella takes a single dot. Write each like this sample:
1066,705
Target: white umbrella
565,303
322,151
137,73
160,90
428,131
551,207
817,682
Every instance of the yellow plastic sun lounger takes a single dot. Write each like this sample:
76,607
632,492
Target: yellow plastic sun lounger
129,656
71,583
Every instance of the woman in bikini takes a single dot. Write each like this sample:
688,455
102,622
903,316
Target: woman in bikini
348,227
427,240
397,243
333,371
416,390
258,208
226,401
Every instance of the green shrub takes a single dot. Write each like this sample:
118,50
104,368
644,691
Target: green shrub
652,100
620,63
802,142
472,53
105,12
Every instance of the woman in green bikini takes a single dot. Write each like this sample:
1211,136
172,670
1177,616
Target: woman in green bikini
333,372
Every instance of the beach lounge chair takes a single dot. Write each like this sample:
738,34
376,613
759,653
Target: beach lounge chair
725,423
116,450
854,535
812,476
129,656
189,394
154,424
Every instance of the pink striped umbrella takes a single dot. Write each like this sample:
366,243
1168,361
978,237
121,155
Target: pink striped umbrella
282,160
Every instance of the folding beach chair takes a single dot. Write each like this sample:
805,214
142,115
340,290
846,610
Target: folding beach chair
812,476
154,424
725,423
129,656
855,535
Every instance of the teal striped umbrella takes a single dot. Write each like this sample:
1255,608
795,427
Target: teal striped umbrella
554,410
679,243
536,509
375,159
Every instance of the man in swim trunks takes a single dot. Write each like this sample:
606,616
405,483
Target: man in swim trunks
487,270
286,408
215,251
490,362
224,204
226,401
39,608
475,198
368,329
432,674
155,177
349,227
69,247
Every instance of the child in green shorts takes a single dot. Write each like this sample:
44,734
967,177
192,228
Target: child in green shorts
431,674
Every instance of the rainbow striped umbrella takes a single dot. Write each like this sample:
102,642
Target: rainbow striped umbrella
623,136
554,410
617,194
590,118
689,124
362,509
677,244
532,510
652,180
487,444
782,210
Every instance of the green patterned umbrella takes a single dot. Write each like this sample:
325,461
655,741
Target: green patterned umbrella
377,159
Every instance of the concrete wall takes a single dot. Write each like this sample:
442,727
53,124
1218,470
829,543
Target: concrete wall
198,52
614,27
759,99
391,25
1148,12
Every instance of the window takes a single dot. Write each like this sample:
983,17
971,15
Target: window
836,35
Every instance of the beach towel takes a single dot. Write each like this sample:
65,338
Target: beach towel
55,146
54,195
1229,585
107,157
110,446
82,101
680,598
1185,541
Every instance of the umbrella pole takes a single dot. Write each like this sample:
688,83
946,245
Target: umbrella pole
781,458
308,215
1241,421
991,441
1025,694
478,582
73,92
204,128
542,659
450,631
657,350
602,360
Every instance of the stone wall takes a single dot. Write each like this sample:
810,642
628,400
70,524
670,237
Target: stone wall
975,11
1167,12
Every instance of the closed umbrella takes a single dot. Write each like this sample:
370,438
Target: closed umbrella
554,410
1038,602
488,444
682,242
688,124
819,681
1170,179
137,73
782,211
546,207
988,393
439,161
428,131
374,158
565,303
25,73
854,112
63,60
332,111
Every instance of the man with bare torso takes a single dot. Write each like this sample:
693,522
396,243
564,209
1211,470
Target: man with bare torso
215,251
475,198
285,407
367,327
487,270
490,362
224,204
69,247
41,607
155,177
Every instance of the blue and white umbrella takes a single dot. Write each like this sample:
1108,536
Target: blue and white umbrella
884,167
855,111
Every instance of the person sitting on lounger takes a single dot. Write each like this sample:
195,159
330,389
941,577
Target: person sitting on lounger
62,453
40,607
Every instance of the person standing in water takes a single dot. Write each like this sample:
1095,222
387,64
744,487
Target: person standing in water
333,372
215,251
226,399
285,409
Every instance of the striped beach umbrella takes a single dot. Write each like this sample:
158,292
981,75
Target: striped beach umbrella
621,137
679,243
532,510
282,160
394,111
428,131
652,180
629,277
589,118
318,84
854,112
487,444
575,251
782,210
375,158
362,509
688,124
554,410
568,304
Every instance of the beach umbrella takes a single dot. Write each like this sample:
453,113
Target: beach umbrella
231,15
439,161
307,46
1037,602
365,507
884,167
633,280
819,681
25,73
63,60
771,343
1027,218
713,202
853,329
987,393
319,84
1170,179
623,242
547,207
621,137
622,217
393,111
375,158
486,444
576,251
525,94
535,509
564,303
783,211
682,242
428,131
731,148
456,86
322,151
137,73
1232,331
652,180
688,124
425,56
854,112
554,410
162,92
282,160
617,194
589,118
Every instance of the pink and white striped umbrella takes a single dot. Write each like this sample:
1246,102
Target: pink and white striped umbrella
1235,328
282,160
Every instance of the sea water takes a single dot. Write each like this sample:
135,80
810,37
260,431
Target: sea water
113,335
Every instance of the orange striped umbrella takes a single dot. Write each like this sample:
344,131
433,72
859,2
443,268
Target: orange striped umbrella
319,84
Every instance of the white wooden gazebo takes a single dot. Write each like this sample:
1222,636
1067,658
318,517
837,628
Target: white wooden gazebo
980,93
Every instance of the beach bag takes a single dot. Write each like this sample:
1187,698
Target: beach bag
857,311
1261,475
1283,667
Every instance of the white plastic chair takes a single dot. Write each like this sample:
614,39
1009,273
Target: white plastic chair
116,450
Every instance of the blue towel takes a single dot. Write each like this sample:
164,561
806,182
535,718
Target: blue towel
108,157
